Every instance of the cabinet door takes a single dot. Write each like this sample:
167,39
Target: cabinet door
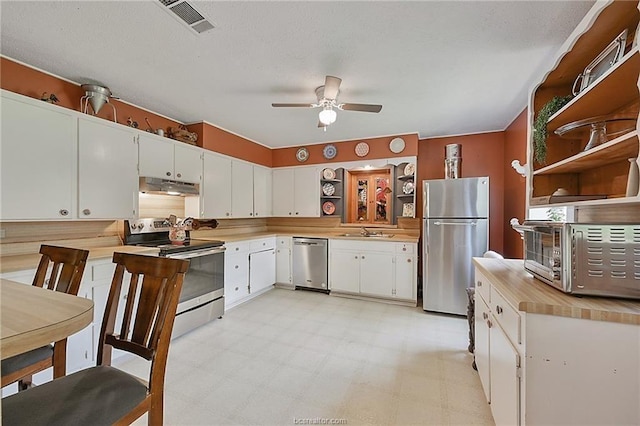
406,278
481,334
306,192
283,202
80,350
261,191
107,171
505,383
38,161
187,163
156,156
216,187
241,189
376,274
262,270
236,277
283,265
344,271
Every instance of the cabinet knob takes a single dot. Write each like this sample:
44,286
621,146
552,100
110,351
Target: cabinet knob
256,213
297,213
479,284
64,212
289,213
237,288
404,249
362,257
250,214
86,212
236,266
237,248
179,175
356,257
408,260
485,316
227,213
168,173
499,309
489,323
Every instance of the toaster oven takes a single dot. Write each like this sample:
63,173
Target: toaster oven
584,258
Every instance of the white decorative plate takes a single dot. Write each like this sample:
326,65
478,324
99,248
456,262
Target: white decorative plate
407,188
329,173
328,189
407,210
362,149
409,169
396,145
302,155
329,152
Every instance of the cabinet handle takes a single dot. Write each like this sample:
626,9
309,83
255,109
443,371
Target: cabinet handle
227,213
489,324
86,212
64,212
479,284
236,266
362,257
356,257
237,248
485,316
404,249
408,260
256,213
168,173
297,213
237,288
250,214
499,309
179,175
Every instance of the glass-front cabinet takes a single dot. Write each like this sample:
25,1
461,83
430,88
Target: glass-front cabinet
370,200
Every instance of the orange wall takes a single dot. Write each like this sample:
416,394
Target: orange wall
515,148
218,140
378,148
482,155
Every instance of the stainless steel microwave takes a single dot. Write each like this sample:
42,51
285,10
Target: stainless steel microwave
584,258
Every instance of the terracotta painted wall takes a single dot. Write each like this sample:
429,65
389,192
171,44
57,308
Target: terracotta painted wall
221,141
515,148
482,155
378,148
22,79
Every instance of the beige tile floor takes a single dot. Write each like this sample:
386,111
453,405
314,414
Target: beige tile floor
291,355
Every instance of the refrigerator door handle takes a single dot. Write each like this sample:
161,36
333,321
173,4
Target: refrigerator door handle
437,222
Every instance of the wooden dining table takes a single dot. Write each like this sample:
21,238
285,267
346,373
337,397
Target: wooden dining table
31,317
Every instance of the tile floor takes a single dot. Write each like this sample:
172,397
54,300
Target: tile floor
291,355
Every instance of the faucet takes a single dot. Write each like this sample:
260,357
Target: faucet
365,232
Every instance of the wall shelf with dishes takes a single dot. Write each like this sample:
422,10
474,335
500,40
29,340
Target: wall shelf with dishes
592,143
405,190
332,193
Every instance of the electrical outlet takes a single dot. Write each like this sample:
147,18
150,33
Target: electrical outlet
2,233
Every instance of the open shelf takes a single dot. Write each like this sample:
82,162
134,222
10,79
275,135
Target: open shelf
620,148
597,99
406,177
600,202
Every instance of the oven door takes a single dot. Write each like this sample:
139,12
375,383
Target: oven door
204,280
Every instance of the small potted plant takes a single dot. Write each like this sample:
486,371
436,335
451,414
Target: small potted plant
540,132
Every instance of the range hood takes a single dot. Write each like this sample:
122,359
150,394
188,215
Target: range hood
151,185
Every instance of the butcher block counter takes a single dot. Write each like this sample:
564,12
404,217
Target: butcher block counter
528,294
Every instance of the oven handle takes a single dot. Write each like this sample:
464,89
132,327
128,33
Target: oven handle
197,253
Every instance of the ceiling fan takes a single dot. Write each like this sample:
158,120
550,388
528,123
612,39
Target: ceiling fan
328,100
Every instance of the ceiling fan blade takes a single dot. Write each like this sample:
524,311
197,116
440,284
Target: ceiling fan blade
331,87
361,107
293,105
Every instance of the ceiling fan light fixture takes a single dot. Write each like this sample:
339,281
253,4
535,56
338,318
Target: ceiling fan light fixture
327,116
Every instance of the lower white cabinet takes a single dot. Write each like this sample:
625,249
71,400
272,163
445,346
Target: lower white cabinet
373,268
262,270
283,261
249,268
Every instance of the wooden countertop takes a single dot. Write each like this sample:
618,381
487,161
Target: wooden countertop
21,262
530,295
243,237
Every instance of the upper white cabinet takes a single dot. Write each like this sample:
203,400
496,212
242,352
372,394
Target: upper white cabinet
216,186
163,158
60,164
241,189
39,151
296,192
107,172
262,191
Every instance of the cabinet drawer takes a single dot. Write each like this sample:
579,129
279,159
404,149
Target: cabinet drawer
362,246
506,316
408,248
262,244
483,287
236,269
283,242
237,247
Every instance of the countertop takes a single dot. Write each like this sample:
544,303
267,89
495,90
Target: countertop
530,295
30,261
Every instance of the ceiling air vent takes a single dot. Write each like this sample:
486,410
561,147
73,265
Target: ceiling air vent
187,14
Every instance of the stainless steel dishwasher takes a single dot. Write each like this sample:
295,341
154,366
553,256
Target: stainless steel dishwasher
310,263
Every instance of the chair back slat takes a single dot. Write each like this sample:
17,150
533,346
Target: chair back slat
66,272
157,282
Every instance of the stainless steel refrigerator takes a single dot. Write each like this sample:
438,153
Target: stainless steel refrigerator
455,228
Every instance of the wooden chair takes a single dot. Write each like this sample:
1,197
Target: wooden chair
67,266
104,394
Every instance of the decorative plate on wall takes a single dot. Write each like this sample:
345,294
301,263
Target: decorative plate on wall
407,188
328,207
329,174
396,145
328,189
409,169
329,152
302,155
362,149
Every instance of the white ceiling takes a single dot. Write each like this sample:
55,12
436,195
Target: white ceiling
438,68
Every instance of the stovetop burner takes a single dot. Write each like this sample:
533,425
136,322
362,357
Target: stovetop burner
155,233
